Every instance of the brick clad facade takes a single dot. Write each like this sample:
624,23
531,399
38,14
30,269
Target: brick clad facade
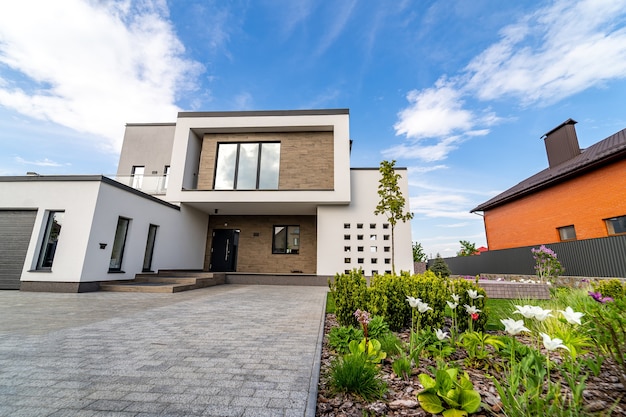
306,158
255,243
584,201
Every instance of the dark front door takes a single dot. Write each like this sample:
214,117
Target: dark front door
224,250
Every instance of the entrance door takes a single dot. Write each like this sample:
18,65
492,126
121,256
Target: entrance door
224,250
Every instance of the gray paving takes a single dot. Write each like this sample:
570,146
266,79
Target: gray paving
220,351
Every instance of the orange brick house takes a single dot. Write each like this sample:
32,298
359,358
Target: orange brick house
581,195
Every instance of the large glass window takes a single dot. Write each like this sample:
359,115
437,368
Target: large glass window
616,225
50,240
115,264
286,240
247,166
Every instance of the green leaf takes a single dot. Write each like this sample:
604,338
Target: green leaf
444,382
470,400
466,384
426,381
452,397
430,403
453,412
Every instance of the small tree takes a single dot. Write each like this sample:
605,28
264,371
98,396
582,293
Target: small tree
440,267
467,248
418,253
392,202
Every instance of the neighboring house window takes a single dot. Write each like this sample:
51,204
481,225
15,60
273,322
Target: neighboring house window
616,225
166,176
567,233
286,240
247,166
50,240
115,264
137,176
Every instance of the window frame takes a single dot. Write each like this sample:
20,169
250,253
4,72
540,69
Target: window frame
44,249
122,249
259,159
610,228
562,229
137,177
287,251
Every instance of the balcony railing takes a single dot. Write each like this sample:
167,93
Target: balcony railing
149,184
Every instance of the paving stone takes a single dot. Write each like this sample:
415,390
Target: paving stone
229,350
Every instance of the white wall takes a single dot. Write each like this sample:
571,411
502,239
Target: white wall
187,147
92,208
331,244
180,239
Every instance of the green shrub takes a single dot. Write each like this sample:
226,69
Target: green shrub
339,338
353,373
387,297
460,287
610,288
440,267
432,290
402,367
350,293
377,327
391,344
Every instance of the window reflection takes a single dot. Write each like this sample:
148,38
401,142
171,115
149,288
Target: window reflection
247,166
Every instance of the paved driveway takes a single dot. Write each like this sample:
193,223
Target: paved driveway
221,351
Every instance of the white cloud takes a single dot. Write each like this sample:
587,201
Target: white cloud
92,66
554,53
544,57
434,112
42,163
341,12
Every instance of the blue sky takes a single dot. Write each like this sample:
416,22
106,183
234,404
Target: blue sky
460,92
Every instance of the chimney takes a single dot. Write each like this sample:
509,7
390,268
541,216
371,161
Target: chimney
561,143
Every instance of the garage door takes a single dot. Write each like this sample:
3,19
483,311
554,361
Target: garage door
16,227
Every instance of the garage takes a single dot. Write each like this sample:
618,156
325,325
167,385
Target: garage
16,227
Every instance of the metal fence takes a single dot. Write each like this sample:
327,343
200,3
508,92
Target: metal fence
602,257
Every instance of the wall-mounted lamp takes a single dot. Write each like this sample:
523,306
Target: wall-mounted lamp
225,224
216,211
103,245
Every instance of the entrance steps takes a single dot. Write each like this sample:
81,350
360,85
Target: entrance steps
166,281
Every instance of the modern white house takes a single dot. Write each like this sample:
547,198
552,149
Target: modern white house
267,193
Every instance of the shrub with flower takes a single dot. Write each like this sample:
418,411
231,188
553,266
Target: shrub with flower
547,267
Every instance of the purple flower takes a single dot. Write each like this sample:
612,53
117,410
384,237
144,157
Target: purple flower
599,298
362,317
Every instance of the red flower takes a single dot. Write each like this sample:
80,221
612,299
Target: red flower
475,316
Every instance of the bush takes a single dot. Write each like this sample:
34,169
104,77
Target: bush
387,297
440,267
391,344
350,293
460,287
377,327
339,338
610,288
353,373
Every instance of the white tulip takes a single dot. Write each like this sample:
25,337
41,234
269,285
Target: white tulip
441,335
452,305
552,344
473,294
514,327
471,309
571,316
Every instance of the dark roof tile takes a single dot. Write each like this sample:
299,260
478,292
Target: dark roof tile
606,150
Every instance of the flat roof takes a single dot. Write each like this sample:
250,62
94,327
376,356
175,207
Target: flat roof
252,113
82,178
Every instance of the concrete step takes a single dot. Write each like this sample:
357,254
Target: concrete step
166,282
